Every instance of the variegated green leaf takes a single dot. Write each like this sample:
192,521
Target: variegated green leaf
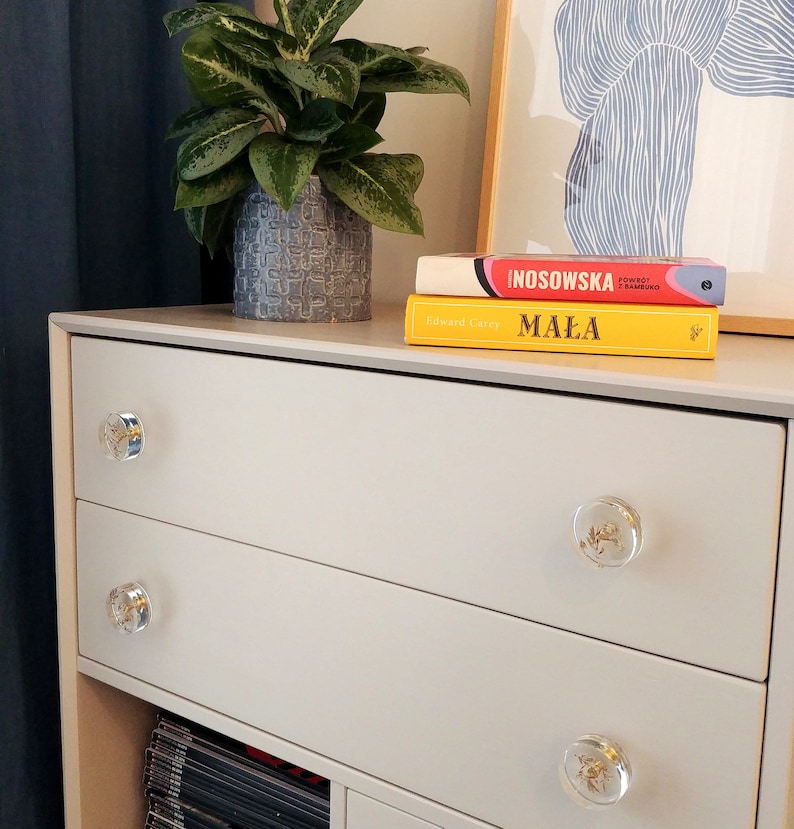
194,219
330,75
189,18
296,7
197,15
412,171
231,10
349,141
220,77
368,109
285,19
288,12
377,58
318,22
220,140
286,96
316,121
215,187
218,229
258,53
282,42
431,78
379,187
212,225
282,167
189,121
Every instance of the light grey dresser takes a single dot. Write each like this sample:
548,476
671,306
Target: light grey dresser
471,588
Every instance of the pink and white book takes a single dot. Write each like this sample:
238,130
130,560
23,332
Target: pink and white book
622,279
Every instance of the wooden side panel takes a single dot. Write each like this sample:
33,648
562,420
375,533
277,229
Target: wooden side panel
103,730
776,808
114,731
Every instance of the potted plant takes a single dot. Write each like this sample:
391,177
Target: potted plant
282,135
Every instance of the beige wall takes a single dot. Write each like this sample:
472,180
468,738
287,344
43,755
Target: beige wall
442,129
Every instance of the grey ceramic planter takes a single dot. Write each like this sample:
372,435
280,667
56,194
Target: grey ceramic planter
311,264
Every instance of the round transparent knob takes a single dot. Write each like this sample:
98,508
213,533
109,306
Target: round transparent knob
121,436
595,772
128,608
606,532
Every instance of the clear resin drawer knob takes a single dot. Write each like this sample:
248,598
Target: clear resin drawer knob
595,772
606,532
128,608
121,436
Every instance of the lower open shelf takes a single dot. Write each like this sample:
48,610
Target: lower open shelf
107,733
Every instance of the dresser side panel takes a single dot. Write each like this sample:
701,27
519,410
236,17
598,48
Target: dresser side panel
776,805
65,566
102,729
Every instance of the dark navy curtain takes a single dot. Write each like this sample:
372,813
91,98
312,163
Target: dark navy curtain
87,89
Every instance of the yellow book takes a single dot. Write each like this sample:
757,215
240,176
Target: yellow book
572,327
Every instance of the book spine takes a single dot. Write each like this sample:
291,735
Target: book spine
173,811
202,788
573,327
246,788
189,733
246,769
640,281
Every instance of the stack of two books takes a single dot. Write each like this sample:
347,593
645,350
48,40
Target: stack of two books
636,306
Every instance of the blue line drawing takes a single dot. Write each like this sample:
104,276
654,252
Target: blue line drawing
632,72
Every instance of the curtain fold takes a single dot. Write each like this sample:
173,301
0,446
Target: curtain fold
86,222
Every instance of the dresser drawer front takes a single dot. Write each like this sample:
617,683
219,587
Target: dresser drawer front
458,489
461,705
365,813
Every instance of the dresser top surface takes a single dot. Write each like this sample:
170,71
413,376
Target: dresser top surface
751,374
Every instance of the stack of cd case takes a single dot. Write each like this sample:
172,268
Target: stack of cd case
195,778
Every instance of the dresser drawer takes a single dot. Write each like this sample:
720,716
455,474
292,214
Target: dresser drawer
464,706
461,490
365,813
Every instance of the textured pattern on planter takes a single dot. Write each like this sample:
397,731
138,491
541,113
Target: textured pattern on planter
311,264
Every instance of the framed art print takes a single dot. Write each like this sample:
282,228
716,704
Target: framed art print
649,128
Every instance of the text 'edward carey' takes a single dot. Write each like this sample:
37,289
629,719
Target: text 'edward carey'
462,322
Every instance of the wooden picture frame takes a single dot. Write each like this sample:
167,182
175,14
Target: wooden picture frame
740,208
